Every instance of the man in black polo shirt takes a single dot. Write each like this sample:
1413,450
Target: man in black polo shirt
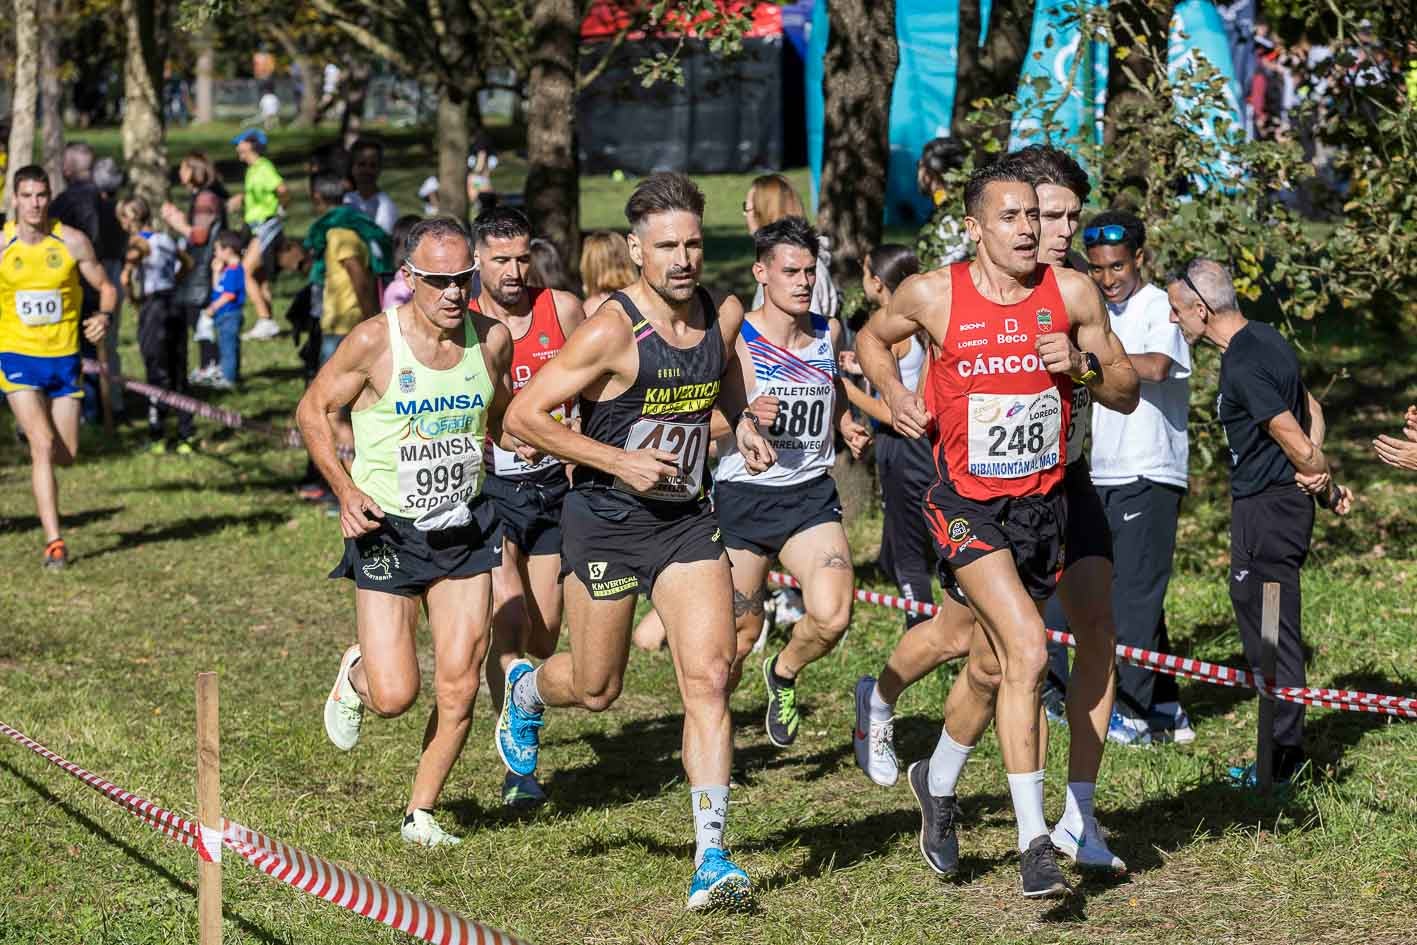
1275,430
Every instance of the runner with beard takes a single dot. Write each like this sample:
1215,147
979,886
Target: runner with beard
526,586
649,367
999,403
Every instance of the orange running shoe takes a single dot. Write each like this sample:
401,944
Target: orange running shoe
56,555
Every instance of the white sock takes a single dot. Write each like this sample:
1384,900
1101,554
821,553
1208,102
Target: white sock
710,806
526,696
1027,792
881,710
946,764
1078,806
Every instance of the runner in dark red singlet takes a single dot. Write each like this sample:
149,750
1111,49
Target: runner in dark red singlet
999,397
526,587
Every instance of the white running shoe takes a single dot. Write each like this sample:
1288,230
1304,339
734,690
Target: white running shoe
344,712
787,607
420,828
206,329
264,330
874,741
1088,850
1170,723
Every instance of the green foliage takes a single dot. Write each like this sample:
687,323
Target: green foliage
722,27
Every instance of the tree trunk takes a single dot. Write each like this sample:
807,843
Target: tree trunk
206,68
24,93
993,70
313,76
856,128
51,98
356,90
144,144
553,176
452,153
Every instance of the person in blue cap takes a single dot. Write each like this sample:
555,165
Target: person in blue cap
262,204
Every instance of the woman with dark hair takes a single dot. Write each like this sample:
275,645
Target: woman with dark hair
941,240
398,291
547,270
198,228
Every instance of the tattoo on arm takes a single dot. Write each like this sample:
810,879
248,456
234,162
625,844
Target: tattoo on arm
837,560
743,604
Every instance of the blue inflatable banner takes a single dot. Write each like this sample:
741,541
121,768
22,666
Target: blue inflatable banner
1076,96
1198,32
922,98
816,109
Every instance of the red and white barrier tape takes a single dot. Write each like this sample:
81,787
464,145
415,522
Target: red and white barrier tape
1400,706
289,437
306,872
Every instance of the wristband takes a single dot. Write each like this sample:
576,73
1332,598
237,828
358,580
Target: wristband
748,415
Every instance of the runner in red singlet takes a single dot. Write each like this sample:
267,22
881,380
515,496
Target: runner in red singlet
526,587
999,401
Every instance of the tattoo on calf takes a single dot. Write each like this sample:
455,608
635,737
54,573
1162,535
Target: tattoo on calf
835,559
743,604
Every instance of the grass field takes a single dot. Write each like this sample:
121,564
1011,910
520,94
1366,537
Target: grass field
210,563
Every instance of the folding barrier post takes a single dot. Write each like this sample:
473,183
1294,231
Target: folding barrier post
208,806
1269,646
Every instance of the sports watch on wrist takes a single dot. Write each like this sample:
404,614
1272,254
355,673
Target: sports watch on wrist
1093,369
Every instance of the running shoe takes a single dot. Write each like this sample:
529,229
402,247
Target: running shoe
344,712
874,741
522,791
1055,706
1042,879
1133,733
719,884
1087,849
221,383
56,555
518,735
421,829
264,330
787,607
782,718
311,491
1169,723
184,448
939,843
157,448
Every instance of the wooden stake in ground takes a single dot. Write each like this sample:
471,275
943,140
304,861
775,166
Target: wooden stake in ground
208,807
1269,646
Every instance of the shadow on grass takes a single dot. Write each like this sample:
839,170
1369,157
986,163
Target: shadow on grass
187,528
137,856
1329,733
26,523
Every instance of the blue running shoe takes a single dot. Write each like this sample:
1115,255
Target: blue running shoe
518,735
522,791
1128,731
719,884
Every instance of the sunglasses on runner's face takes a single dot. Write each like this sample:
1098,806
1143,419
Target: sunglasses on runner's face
1104,235
440,281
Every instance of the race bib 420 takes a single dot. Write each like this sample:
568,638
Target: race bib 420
1014,435
689,444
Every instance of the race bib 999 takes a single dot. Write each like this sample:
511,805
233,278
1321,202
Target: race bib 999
434,472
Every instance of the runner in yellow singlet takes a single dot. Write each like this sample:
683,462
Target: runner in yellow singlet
426,381
40,264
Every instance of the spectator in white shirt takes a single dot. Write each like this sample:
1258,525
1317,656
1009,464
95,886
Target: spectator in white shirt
1139,465
366,161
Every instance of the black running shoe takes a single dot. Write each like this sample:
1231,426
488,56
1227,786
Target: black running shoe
939,844
782,718
1042,879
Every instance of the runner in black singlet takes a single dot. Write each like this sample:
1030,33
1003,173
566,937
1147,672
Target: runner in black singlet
647,367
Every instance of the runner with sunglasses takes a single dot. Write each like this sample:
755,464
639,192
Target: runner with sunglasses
426,381
1009,328
526,587
650,367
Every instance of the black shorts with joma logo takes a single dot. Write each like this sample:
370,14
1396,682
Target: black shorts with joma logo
618,545
397,558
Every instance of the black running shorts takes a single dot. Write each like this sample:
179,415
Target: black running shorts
761,519
399,559
618,545
530,509
1031,527
1088,533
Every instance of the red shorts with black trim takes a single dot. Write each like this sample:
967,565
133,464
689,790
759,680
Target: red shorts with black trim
1032,528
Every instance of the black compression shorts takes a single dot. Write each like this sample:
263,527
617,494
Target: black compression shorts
1031,527
619,545
397,558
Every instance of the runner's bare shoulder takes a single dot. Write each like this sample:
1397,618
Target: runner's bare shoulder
366,342
924,299
77,242
1079,292
496,340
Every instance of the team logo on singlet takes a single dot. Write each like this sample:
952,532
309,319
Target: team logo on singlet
18,264
406,381
52,260
543,339
1045,319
